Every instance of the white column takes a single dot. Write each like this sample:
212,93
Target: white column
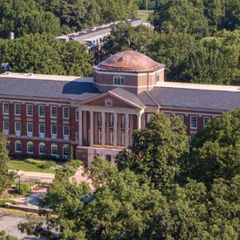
127,130
80,133
103,128
115,130
91,128
139,120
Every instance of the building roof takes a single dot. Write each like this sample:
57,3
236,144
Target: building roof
127,96
196,97
129,61
37,87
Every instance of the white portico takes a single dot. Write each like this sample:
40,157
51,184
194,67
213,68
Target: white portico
104,130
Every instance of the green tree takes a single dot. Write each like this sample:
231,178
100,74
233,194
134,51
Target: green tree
215,152
4,236
25,17
125,37
181,16
172,49
42,53
207,65
6,178
156,151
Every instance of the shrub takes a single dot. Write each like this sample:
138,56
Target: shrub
24,189
46,165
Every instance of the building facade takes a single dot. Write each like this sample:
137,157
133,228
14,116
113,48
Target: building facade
44,115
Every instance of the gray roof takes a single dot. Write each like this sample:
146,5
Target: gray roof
124,94
38,88
196,98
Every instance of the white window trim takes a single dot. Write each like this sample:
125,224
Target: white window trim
15,108
77,114
66,136
191,122
66,146
18,132
204,118
39,107
180,117
54,154
41,144
120,79
42,135
5,113
32,147
66,118
5,131
27,105
54,106
16,142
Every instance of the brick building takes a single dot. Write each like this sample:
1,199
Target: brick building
43,115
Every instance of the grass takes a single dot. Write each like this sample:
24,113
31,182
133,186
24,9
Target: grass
31,166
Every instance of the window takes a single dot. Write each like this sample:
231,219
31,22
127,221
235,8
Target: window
6,108
123,138
149,117
42,148
18,146
29,109
17,128
42,130
123,121
111,137
66,112
41,111
5,127
118,80
180,117
30,127
77,114
157,77
17,107
54,129
99,119
54,149
206,120
111,122
193,122
66,130
30,148
99,136
66,150
53,111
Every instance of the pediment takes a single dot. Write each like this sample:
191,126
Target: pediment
110,99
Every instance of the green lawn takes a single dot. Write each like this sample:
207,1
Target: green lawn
31,166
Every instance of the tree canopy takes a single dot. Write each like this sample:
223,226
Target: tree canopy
6,178
157,150
215,152
42,53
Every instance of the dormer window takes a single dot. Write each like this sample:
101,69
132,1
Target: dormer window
118,80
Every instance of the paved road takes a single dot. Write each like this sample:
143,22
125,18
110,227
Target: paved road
8,223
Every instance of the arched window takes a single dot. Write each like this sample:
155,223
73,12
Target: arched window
30,148
42,148
18,146
66,151
54,149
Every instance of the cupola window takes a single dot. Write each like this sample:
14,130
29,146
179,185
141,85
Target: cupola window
118,80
